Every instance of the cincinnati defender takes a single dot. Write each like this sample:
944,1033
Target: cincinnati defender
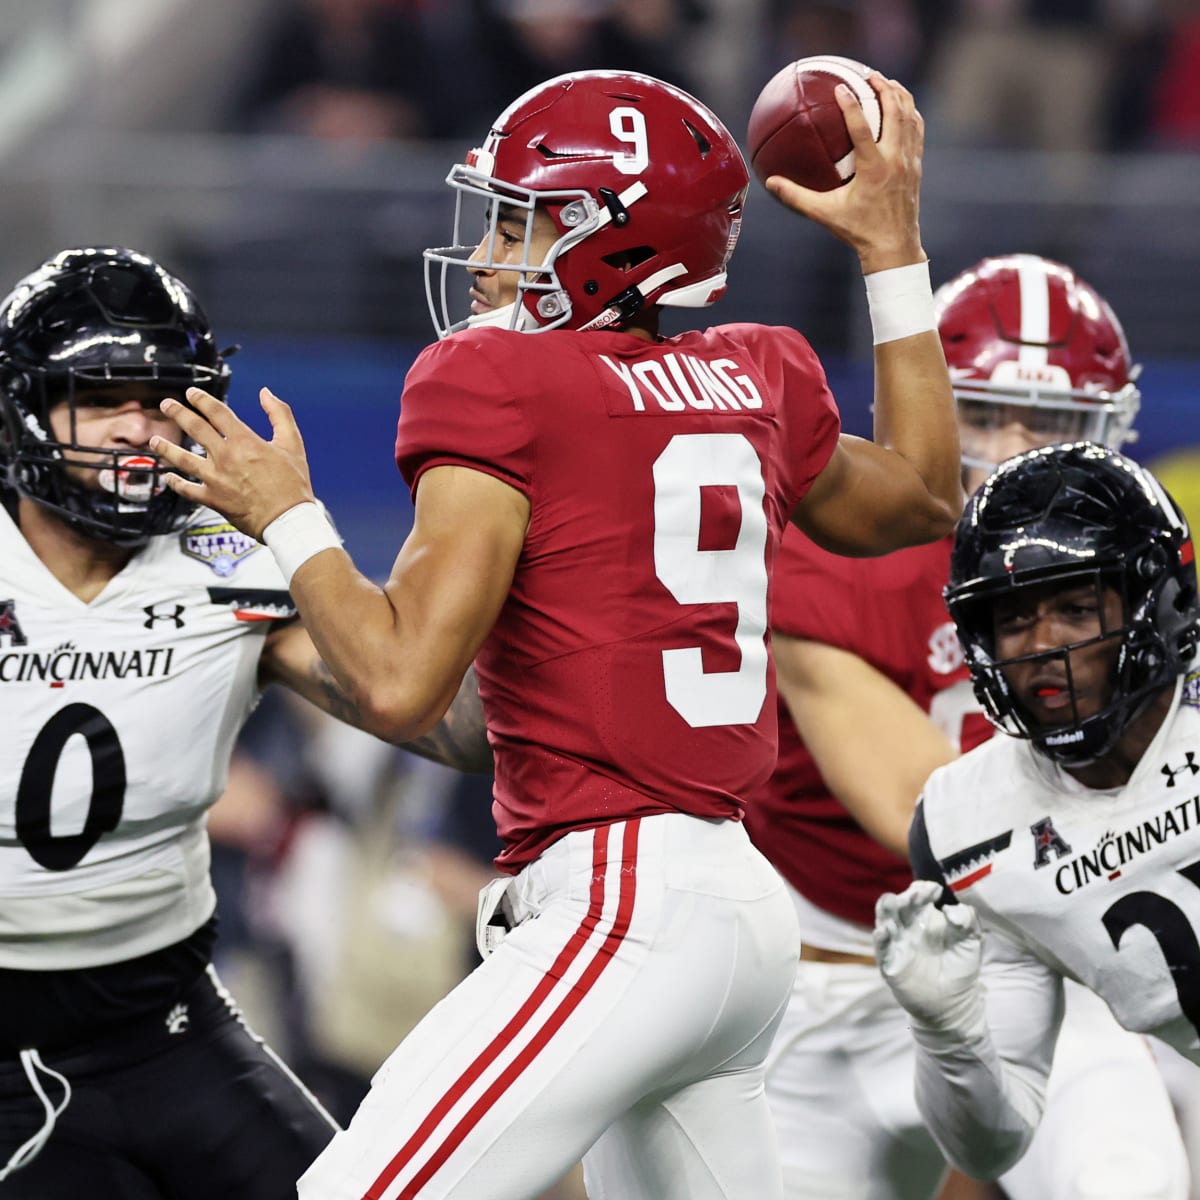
1070,846
135,634
597,512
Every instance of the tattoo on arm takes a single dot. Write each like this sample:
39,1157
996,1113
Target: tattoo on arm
331,696
460,739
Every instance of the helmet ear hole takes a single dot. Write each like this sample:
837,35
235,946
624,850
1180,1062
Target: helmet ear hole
626,260
1151,563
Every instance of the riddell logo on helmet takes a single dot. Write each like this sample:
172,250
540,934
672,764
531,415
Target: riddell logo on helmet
1065,739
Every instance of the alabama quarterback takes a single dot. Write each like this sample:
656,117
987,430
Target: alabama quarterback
598,509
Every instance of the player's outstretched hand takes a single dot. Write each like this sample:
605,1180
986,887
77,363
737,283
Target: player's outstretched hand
248,480
877,212
930,956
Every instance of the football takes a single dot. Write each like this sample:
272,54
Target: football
797,128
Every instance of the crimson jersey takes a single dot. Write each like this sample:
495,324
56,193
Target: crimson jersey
889,612
628,672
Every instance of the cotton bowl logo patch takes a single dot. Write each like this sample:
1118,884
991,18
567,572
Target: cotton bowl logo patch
1191,689
219,544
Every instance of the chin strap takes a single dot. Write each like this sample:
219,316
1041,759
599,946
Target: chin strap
630,302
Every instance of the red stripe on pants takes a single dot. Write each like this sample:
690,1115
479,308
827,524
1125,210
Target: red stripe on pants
517,1026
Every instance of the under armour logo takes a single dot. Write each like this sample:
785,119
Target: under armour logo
1189,764
9,627
176,615
1045,839
177,1019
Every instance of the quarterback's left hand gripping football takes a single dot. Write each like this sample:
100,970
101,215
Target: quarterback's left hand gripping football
247,479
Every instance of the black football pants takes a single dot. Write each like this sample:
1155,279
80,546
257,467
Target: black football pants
186,1105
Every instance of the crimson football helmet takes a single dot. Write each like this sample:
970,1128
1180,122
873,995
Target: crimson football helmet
645,188
1030,343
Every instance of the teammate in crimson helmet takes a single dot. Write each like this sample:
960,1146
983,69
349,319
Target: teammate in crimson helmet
1036,356
875,696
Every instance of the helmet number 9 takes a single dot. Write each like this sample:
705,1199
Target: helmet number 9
693,576
628,125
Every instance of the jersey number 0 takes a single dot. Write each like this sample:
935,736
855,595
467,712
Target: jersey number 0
36,788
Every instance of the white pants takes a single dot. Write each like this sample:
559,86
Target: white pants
625,1020
840,1085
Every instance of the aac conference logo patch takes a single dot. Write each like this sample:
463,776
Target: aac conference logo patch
10,629
219,544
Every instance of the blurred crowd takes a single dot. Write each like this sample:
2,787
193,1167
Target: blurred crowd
1048,74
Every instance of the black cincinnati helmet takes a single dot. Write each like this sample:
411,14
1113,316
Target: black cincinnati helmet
87,318
1075,513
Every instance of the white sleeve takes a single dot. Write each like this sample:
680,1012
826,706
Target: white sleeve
982,1093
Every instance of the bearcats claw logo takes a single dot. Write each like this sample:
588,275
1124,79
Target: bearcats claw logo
10,628
177,1019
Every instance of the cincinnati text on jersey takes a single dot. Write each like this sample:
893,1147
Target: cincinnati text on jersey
67,665
1115,850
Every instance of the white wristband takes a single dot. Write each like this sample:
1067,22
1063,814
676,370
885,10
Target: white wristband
901,302
296,535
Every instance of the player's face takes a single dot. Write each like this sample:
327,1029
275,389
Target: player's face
120,418
494,282
991,431
1034,623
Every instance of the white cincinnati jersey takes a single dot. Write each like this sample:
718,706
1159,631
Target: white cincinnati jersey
119,719
1101,886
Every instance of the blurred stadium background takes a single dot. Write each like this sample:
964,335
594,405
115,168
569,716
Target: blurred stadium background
218,137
